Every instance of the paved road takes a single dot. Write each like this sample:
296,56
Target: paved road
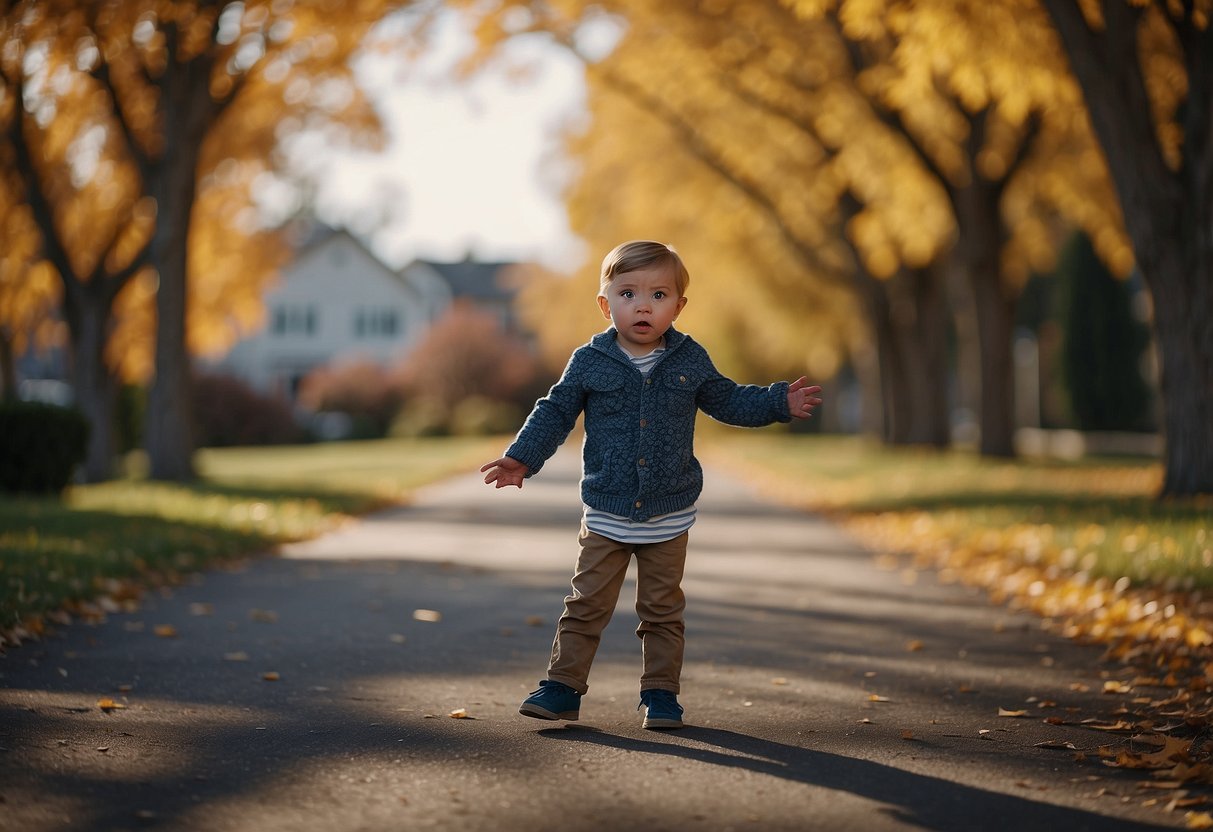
792,632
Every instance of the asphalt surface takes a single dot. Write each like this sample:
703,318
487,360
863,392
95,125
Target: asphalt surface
823,691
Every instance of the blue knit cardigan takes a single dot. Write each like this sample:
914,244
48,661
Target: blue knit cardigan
637,459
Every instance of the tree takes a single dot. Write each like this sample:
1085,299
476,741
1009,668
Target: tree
182,97
842,125
1146,70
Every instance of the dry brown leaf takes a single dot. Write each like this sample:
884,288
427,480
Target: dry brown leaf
1058,744
1113,686
431,616
1012,714
907,734
534,621
914,645
165,631
271,676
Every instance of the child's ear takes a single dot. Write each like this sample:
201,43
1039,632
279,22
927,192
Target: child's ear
605,307
682,302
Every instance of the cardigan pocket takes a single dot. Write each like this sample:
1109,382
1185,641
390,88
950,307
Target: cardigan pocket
677,392
606,396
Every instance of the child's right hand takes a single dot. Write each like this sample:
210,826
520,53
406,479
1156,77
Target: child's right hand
505,471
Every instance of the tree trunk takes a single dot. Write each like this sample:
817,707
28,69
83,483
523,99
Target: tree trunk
979,250
88,315
8,368
187,111
906,318
920,322
1168,213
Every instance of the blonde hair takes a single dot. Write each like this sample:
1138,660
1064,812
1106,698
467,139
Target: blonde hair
636,255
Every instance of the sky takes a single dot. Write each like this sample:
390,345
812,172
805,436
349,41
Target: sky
470,166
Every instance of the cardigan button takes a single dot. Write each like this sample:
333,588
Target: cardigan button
639,503
644,423
682,379
640,461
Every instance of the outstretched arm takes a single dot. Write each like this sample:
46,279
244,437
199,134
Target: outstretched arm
802,399
504,471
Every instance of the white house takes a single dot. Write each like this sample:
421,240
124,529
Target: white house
336,301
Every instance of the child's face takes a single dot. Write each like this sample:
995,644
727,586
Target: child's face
642,305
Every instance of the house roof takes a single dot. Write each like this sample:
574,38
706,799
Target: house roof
474,279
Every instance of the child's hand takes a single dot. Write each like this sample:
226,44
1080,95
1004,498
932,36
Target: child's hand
505,471
801,399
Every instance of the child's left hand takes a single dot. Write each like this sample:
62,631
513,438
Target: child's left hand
801,399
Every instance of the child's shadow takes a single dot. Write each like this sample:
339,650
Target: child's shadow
918,799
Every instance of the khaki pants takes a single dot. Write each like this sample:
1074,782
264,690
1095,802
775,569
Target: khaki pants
659,603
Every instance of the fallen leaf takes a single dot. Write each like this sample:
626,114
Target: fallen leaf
1113,686
866,721
779,680
431,616
1198,820
271,676
878,698
534,621
914,645
1007,713
1058,744
1079,687
459,713
202,609
397,638
105,748
267,616
238,656
907,734
107,704
165,630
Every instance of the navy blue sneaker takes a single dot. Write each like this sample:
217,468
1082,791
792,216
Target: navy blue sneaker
553,700
661,709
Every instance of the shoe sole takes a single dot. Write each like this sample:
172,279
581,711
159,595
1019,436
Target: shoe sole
658,722
537,712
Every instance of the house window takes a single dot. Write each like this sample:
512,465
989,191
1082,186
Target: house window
295,319
376,323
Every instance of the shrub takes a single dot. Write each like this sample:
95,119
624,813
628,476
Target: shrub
40,446
362,389
229,412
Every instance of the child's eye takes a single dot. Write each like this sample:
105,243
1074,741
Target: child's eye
627,293
659,295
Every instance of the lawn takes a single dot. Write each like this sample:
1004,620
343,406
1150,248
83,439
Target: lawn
102,542
1085,543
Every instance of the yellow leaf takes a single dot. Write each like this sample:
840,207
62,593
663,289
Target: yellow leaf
427,615
107,704
1113,686
1198,820
878,698
270,676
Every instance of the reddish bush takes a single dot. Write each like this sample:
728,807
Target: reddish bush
363,389
467,354
229,412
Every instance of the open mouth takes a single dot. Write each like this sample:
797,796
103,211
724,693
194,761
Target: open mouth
643,326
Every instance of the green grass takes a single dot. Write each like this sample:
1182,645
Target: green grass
246,500
1098,516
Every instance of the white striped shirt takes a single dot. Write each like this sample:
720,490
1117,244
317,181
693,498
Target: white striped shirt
656,529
